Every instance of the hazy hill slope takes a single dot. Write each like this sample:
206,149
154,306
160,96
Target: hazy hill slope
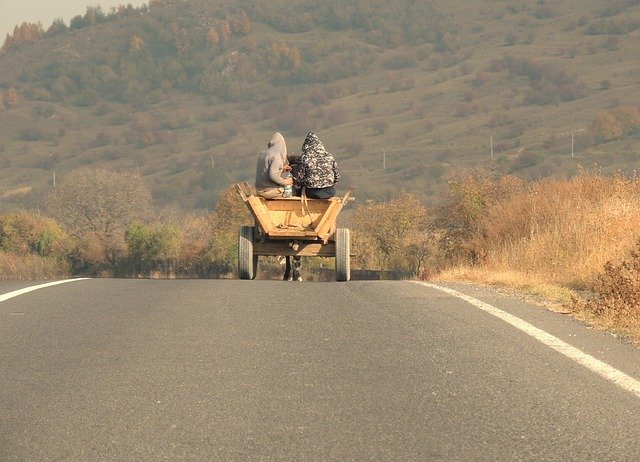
403,92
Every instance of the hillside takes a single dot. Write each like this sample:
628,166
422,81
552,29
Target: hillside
402,92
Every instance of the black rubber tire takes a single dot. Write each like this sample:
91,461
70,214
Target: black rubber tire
247,261
343,255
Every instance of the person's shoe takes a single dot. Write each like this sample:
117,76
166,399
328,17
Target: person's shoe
290,278
298,278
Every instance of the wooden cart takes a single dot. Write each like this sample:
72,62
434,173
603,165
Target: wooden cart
293,226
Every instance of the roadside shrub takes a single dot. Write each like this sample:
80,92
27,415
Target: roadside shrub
31,267
458,218
392,235
151,248
616,298
563,231
32,247
23,234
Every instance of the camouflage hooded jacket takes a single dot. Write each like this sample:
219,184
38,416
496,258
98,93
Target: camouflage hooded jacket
318,168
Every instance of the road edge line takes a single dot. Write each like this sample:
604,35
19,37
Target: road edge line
595,365
25,290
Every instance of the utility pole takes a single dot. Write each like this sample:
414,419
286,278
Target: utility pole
384,161
53,168
212,164
572,144
491,145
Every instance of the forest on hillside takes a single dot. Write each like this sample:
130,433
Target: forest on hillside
214,52
405,93
489,136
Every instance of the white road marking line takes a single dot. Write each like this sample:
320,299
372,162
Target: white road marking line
15,293
603,369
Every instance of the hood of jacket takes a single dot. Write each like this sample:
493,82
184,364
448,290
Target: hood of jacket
318,168
278,147
312,146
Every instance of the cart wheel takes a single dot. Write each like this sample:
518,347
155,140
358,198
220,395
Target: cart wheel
343,254
247,261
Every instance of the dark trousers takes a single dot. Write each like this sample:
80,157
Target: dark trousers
321,193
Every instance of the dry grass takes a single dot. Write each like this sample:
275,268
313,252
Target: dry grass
30,267
553,238
615,304
562,232
595,310
554,297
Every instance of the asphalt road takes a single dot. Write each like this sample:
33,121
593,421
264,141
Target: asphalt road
269,370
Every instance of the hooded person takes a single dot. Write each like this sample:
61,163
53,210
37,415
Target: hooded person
272,163
318,171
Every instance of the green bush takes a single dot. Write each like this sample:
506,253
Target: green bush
151,248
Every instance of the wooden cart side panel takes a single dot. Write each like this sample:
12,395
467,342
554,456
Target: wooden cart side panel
323,228
293,233
295,213
327,225
260,213
317,206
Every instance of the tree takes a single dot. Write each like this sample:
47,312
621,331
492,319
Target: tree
221,251
461,215
99,204
392,235
23,233
230,213
57,27
241,24
94,15
606,127
152,248
24,33
628,117
78,22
